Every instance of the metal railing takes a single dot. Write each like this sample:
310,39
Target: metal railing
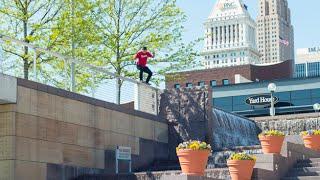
54,69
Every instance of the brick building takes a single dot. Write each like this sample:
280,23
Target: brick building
230,75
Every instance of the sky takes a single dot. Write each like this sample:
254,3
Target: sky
305,19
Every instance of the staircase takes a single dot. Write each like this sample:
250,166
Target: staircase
305,170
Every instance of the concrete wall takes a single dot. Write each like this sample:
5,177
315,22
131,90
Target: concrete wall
52,134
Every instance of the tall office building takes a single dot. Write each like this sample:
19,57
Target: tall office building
230,38
275,33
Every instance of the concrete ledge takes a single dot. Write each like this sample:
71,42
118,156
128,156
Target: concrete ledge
8,89
86,99
270,166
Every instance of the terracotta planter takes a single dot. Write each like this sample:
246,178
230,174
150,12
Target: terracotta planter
193,162
271,144
241,169
312,142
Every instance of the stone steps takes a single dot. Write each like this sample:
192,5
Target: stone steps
311,160
302,178
308,169
307,164
293,173
219,173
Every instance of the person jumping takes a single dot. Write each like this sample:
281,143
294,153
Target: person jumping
142,57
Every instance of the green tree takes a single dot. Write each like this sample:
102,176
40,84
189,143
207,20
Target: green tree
74,33
127,25
30,21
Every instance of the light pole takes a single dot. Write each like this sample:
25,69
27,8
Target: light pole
316,107
272,88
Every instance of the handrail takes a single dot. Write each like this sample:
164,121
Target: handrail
73,60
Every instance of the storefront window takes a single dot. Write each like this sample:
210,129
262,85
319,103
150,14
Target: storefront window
315,92
225,101
301,102
302,94
283,96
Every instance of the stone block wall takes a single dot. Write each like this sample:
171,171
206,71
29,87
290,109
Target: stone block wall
50,133
289,124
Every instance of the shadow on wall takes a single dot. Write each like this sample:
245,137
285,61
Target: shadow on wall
191,117
186,111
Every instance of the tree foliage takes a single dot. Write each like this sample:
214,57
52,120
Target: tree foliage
102,32
30,21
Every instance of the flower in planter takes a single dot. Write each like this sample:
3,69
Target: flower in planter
310,132
272,133
193,157
311,139
241,166
194,145
271,141
242,156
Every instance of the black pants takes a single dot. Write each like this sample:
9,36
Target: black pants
146,70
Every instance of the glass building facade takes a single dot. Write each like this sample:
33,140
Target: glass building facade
253,99
307,70
237,104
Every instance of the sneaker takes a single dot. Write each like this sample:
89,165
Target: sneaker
147,83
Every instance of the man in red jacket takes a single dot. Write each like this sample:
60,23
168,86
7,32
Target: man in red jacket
142,57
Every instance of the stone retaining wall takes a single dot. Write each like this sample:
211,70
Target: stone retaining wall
51,133
290,124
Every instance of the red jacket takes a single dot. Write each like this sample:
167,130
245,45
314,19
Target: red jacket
143,58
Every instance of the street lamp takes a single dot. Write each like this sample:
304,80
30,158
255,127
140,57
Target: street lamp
316,107
272,88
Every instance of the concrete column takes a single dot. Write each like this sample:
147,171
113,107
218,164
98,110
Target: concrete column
213,37
227,35
219,35
8,89
145,99
232,34
223,35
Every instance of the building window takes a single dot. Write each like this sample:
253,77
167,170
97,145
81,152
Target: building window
177,86
201,83
189,85
213,83
225,81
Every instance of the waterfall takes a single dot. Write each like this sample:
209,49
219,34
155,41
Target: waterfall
230,130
